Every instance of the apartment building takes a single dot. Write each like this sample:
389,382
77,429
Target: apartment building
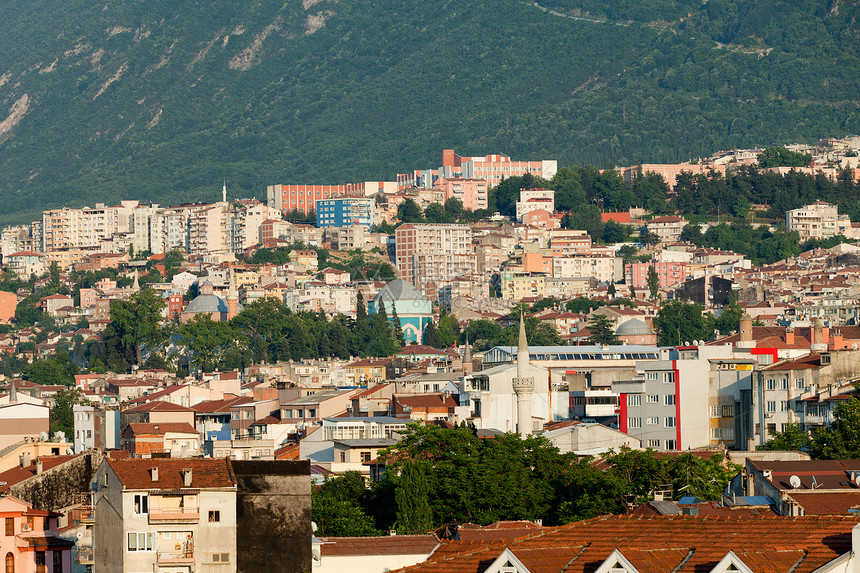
819,220
86,227
472,192
208,230
429,255
493,168
564,242
343,211
533,200
303,198
669,273
246,221
599,267
31,542
668,228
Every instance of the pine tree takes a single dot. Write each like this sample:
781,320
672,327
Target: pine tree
360,309
398,328
413,499
431,336
653,282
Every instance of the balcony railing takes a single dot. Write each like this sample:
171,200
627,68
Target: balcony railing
181,556
84,555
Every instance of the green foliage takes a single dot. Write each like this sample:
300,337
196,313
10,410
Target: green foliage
678,322
136,323
449,330
792,438
730,316
205,341
841,440
48,371
658,88
584,305
409,211
336,509
601,329
782,157
62,414
413,498
653,282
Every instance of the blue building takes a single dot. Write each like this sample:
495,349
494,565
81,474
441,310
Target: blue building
345,211
414,310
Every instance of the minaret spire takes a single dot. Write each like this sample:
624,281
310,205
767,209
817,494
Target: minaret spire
224,192
523,384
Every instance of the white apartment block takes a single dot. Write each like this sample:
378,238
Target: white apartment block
817,221
534,199
600,267
429,255
86,227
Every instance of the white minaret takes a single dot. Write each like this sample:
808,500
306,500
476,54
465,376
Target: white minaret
524,385
224,192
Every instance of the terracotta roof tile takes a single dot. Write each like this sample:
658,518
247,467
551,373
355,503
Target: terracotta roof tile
160,429
389,545
205,473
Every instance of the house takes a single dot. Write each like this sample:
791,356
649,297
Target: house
314,407
171,515
337,554
31,543
180,440
425,407
586,438
156,412
661,544
667,228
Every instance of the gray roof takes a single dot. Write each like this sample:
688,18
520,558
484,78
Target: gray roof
315,398
209,303
634,327
368,443
399,289
376,419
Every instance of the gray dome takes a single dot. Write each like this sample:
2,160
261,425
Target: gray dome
207,303
399,289
634,327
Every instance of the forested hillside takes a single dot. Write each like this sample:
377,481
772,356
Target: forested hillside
162,100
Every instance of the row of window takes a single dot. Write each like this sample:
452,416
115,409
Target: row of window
669,444
772,383
726,411
668,377
668,422
636,399
783,406
722,433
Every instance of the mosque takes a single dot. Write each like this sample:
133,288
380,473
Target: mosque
414,310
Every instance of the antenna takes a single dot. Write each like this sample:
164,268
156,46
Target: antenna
794,481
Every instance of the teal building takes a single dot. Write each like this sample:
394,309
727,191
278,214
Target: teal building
414,310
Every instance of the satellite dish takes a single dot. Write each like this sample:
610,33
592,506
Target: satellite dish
795,482
857,480
80,535
317,555
43,436
854,346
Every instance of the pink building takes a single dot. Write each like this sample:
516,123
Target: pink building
303,198
669,172
494,168
472,192
30,543
543,219
569,242
669,273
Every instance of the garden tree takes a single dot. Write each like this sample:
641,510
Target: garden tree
692,234
397,328
702,478
602,332
263,325
339,338
136,323
409,212
435,213
383,342
519,309
360,309
431,335
627,253
653,282
792,438
454,209
481,334
639,470
205,341
28,313
610,290
587,218
62,414
782,157
276,256
449,330
649,238
584,305
413,498
504,196
49,371
730,316
539,334
54,273
678,322
615,232
841,440
336,509
546,302
173,259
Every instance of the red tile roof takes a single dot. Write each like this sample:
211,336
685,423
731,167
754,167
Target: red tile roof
18,474
680,544
220,406
205,473
390,545
160,429
159,407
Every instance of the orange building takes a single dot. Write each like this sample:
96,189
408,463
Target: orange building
31,543
472,192
8,304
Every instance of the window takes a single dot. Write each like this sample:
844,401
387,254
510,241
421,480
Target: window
715,411
312,413
669,400
783,406
215,516
634,400
634,422
10,526
140,542
728,411
653,398
771,428
652,376
365,457
58,561
653,443
141,503
668,377
10,563
783,384
288,414
770,384
220,558
771,406
799,383
670,421
670,444
652,421
343,456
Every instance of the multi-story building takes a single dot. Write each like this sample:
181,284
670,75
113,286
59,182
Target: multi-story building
245,222
303,198
564,242
73,228
31,543
343,211
667,228
669,172
472,192
26,263
599,267
16,239
517,285
535,199
493,168
429,255
208,230
168,228
669,273
819,220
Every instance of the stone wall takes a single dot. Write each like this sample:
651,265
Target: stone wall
60,486
273,516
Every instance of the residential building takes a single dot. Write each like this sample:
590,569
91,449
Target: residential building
179,440
670,172
26,263
493,168
563,242
819,220
472,192
303,198
669,274
534,199
31,542
344,211
667,228
429,255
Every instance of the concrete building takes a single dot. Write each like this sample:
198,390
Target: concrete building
30,542
533,200
343,211
429,255
668,273
589,438
493,168
667,228
96,428
472,192
819,220
303,198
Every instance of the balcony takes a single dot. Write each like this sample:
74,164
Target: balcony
174,515
183,556
84,555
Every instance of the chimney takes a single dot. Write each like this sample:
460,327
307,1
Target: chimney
25,459
789,335
186,478
153,474
746,332
38,466
836,340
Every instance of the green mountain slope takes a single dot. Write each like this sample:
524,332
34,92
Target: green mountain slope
162,100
